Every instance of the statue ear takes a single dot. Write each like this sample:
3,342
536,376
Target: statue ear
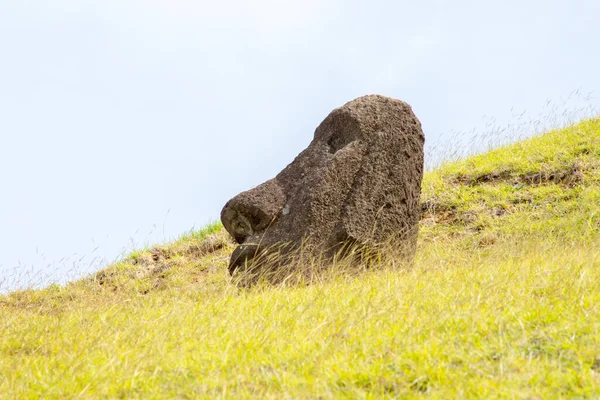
384,199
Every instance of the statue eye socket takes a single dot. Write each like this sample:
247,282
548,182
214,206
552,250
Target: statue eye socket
338,142
345,131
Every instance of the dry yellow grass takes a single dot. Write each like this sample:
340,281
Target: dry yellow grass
502,302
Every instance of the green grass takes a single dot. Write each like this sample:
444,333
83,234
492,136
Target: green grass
503,301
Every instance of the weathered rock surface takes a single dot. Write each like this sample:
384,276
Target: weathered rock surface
359,181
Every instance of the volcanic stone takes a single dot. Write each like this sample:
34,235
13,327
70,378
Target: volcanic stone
358,181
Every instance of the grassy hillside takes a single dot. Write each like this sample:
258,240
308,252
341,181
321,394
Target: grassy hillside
503,301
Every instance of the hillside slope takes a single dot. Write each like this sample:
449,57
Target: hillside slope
503,301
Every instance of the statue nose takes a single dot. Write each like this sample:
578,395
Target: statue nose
251,212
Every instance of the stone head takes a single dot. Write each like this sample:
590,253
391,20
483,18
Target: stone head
358,181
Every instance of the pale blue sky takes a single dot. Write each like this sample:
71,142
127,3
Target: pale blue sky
126,122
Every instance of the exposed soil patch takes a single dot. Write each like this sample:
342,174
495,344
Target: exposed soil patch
156,263
161,255
570,176
433,213
596,364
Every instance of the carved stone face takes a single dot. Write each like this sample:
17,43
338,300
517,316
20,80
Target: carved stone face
359,180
